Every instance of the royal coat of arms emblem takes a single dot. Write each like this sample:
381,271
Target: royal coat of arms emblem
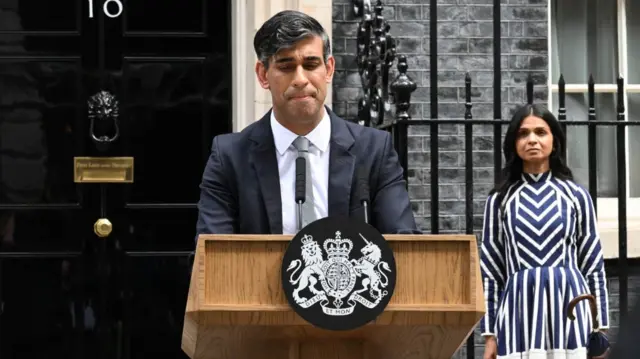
346,278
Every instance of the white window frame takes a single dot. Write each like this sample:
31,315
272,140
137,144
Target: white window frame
608,206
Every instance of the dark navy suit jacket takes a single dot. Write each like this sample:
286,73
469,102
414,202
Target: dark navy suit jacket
240,189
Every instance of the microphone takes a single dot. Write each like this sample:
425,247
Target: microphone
363,191
301,185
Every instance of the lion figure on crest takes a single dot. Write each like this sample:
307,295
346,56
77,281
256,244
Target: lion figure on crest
367,265
312,257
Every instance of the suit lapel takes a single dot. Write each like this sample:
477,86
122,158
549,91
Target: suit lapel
341,167
263,158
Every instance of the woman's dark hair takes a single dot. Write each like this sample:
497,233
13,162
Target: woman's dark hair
512,171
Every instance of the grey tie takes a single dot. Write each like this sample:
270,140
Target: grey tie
308,212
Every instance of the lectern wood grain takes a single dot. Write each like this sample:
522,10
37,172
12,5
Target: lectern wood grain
236,307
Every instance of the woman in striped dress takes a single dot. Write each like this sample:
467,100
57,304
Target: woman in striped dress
540,248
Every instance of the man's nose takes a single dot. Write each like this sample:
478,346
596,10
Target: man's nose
300,78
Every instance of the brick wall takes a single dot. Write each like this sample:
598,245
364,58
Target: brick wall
465,44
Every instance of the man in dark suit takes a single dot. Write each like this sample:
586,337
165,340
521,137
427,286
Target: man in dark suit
248,183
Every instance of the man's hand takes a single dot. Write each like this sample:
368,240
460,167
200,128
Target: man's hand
490,348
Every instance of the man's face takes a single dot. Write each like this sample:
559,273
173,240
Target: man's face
297,78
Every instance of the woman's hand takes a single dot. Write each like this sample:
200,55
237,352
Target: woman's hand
490,348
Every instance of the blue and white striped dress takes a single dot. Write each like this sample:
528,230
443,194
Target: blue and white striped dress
538,254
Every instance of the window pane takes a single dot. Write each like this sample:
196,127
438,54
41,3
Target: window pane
577,106
633,45
633,114
584,40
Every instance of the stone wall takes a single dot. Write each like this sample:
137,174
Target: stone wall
465,44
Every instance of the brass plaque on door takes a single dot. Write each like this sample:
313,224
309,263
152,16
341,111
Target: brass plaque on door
103,169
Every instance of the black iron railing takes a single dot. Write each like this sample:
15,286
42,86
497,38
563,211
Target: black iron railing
376,53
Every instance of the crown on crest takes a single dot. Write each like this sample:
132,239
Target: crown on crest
338,247
307,240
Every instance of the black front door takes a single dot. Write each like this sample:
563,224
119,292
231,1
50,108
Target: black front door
162,69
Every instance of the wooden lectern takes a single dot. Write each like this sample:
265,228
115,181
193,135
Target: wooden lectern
237,309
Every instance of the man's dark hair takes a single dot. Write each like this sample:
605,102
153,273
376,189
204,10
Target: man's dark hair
284,30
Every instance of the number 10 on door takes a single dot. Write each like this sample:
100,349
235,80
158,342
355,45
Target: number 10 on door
106,10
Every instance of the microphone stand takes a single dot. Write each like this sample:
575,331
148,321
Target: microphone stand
366,211
301,185
300,214
363,192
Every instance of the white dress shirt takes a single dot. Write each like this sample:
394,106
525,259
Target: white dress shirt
319,162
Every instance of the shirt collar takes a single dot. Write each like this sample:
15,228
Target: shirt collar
319,137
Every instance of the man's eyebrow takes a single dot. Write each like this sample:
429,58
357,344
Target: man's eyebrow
284,59
289,59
